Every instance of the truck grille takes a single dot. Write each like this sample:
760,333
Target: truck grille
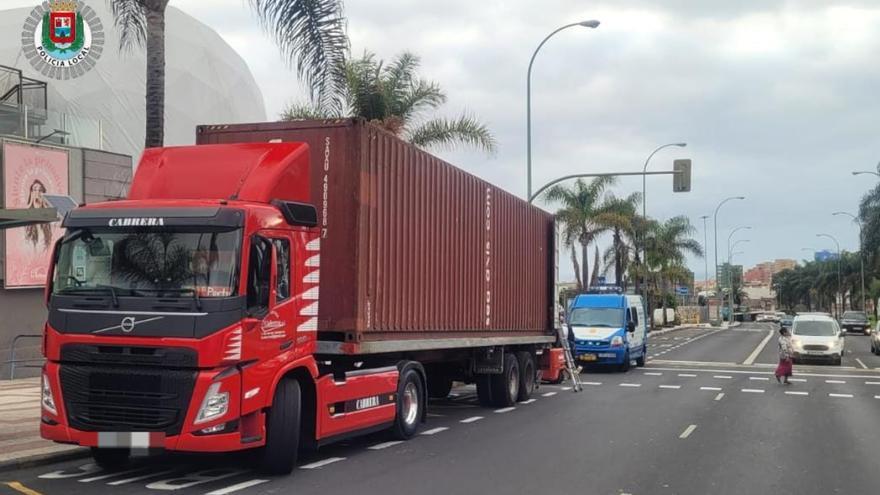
104,398
815,347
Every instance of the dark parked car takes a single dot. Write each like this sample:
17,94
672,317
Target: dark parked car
855,321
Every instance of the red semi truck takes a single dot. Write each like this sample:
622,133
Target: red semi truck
288,286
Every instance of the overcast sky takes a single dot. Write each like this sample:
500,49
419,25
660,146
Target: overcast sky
777,100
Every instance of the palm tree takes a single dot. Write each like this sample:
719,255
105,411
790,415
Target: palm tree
310,33
668,245
619,216
579,214
395,98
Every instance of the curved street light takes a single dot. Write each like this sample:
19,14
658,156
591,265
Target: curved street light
864,172
589,24
861,250
730,256
715,221
839,285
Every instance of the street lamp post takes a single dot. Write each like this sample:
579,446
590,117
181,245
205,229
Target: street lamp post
839,285
590,24
861,251
729,266
715,221
706,259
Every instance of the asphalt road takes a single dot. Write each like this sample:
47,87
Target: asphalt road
695,420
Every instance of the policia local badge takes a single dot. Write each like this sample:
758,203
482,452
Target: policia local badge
63,38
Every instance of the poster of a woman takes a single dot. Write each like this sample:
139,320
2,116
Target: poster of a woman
29,173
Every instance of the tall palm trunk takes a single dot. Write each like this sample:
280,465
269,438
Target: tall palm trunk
618,258
577,268
585,262
155,125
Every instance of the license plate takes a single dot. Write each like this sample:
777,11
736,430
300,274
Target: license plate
607,355
131,439
814,353
587,357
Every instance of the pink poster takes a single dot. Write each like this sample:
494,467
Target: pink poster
29,172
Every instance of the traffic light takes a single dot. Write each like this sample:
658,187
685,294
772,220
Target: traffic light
681,179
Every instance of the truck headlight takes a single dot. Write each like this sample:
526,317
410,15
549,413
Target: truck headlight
796,343
617,341
214,405
46,398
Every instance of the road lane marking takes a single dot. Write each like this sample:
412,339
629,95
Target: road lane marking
110,475
690,375
795,392
723,377
548,394
385,445
325,462
719,396
842,396
528,401
653,373
474,418
569,388
752,371
434,431
797,380
139,478
753,390
504,410
714,389
687,431
872,383
835,381
237,487
15,485
586,383
757,351
674,387
762,378
630,384
861,363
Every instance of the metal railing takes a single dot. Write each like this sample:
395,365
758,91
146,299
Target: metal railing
12,362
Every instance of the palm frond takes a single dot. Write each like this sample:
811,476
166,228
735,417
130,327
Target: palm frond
308,111
445,133
131,23
311,35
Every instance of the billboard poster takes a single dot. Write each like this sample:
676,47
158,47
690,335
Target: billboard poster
29,173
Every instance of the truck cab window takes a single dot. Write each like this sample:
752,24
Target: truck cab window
282,269
259,276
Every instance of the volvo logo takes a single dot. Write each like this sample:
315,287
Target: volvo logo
127,324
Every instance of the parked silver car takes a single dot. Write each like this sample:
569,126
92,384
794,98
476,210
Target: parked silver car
817,337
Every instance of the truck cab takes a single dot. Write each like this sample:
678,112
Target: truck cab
608,328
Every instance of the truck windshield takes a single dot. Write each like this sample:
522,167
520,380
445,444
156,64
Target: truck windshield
144,263
597,317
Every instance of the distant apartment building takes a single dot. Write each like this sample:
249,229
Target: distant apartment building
762,273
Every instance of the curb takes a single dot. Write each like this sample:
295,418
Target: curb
43,459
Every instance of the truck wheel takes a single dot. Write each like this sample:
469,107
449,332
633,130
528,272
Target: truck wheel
624,366
527,375
505,387
640,361
282,429
484,390
439,385
410,398
110,458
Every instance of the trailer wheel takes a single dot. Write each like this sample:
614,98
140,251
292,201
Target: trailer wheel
439,385
505,387
527,375
110,458
282,429
410,398
484,390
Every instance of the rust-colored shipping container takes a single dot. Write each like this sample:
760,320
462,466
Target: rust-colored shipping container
414,249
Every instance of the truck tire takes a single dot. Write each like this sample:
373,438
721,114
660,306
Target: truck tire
410,399
439,385
110,458
282,429
505,386
484,390
527,375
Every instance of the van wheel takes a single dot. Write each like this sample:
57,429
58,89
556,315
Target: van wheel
505,386
410,399
640,361
527,375
624,366
110,459
282,429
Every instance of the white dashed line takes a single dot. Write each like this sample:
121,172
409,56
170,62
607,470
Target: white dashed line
723,377
588,383
687,431
325,462
719,396
872,383
504,410
861,363
760,378
877,396
385,445
477,418
752,390
139,478
689,375
802,380
237,487
434,431
105,476
653,373
795,392
842,396
548,394
835,381
674,387
528,401
630,384
714,389
569,388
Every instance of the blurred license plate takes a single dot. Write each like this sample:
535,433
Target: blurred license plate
124,439
607,354
587,357
813,353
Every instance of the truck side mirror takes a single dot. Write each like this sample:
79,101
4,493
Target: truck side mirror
631,326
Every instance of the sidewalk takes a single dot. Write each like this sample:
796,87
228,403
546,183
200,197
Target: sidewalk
20,442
